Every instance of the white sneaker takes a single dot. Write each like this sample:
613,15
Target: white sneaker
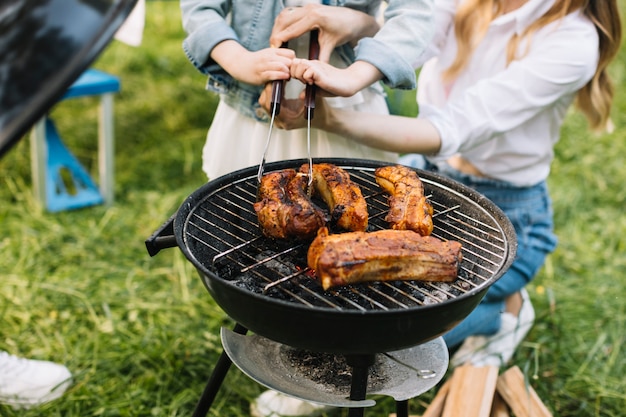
26,382
275,404
498,349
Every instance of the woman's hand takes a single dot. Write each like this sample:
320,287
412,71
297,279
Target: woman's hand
291,115
382,131
256,68
336,25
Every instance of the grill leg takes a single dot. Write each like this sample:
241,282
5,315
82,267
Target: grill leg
358,389
216,380
402,408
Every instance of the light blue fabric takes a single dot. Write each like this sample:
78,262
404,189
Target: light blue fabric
530,212
405,35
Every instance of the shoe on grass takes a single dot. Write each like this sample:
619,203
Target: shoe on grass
497,349
25,383
275,404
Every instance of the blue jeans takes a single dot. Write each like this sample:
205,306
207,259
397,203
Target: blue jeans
530,212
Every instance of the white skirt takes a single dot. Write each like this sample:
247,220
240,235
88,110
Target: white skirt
235,141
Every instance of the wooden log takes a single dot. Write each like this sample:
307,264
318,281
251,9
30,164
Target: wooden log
436,405
499,408
471,391
520,396
435,408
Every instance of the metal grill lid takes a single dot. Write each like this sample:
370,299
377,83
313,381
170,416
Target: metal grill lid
45,45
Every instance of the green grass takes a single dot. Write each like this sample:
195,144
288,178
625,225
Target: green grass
141,334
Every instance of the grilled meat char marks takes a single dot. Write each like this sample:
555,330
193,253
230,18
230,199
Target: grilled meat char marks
407,252
383,255
348,208
284,209
408,207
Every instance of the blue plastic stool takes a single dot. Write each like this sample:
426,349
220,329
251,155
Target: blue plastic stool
60,182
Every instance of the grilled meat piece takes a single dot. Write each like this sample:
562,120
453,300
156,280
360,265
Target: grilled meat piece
409,209
383,255
348,209
284,209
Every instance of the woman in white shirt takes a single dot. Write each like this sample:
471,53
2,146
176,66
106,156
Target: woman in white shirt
493,92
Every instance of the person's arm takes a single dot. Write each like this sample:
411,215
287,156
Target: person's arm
382,131
336,26
550,74
407,31
204,22
382,53
387,132
545,80
213,45
334,81
256,68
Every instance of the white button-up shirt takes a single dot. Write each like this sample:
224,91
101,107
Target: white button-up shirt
504,119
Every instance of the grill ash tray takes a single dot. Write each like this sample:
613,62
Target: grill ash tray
325,378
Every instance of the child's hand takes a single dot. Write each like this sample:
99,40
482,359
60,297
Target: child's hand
263,66
336,25
256,68
334,81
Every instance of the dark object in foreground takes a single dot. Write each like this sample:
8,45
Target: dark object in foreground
45,46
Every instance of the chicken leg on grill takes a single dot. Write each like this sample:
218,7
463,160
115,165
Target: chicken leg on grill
284,209
408,207
344,198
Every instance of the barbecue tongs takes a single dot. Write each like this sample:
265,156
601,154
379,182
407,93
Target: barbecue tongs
309,105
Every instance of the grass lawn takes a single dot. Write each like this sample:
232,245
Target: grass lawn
141,334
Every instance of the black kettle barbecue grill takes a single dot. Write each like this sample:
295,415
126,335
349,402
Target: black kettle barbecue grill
265,286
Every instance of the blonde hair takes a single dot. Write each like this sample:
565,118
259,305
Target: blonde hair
596,97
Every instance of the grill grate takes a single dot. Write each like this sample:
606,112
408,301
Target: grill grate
223,235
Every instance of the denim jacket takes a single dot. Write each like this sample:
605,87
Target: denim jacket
396,47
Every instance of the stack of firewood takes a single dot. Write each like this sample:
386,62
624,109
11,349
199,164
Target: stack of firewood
479,392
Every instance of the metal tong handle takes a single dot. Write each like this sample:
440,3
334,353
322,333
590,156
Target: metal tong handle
309,98
277,95
309,103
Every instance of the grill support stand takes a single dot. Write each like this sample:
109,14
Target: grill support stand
216,379
402,408
358,389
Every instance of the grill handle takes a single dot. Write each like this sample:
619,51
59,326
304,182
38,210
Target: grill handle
162,238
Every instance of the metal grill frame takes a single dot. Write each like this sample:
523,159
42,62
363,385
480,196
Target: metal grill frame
239,241
359,319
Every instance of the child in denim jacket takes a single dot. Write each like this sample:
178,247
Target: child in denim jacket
229,41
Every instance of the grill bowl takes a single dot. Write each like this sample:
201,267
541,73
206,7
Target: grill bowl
216,229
